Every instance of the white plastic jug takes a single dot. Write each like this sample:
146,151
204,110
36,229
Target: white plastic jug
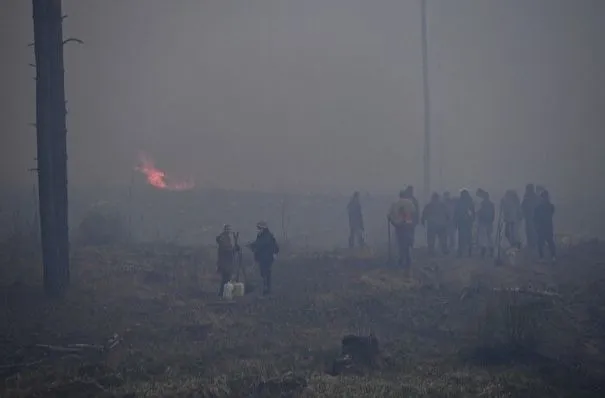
238,289
228,291
511,255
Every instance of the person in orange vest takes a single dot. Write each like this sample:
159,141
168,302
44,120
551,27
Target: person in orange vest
401,217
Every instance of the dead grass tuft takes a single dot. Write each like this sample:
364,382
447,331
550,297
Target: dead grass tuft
178,340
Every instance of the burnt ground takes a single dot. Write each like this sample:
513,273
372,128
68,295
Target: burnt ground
448,328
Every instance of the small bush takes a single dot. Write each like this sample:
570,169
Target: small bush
513,322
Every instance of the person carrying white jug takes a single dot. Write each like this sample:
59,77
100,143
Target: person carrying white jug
225,257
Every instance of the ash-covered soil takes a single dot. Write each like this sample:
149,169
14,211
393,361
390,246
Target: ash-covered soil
447,328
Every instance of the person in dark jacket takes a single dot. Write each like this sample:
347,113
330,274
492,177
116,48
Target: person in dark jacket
265,248
486,215
435,217
355,221
465,217
409,194
528,205
450,202
512,216
543,221
225,257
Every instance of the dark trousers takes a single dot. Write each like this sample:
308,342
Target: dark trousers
451,237
225,277
434,233
530,233
404,243
465,237
545,236
413,236
356,237
511,232
265,273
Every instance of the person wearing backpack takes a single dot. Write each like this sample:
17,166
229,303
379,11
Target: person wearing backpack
401,217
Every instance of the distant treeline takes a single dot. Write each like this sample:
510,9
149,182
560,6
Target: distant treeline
195,217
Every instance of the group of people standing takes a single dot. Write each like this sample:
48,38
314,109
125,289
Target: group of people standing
264,247
450,221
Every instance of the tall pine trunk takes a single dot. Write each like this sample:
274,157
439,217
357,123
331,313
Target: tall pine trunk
52,144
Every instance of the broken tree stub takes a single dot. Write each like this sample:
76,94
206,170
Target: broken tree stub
357,352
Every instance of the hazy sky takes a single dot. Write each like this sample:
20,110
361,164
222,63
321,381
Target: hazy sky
319,94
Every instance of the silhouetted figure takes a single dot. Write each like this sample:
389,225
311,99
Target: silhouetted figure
409,194
225,257
436,218
355,221
512,216
530,201
450,203
401,217
265,248
486,215
543,221
465,217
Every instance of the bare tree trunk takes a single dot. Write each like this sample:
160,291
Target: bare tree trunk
52,144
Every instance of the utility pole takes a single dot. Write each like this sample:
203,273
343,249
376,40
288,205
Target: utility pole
51,133
427,105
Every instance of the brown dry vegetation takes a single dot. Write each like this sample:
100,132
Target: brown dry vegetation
443,329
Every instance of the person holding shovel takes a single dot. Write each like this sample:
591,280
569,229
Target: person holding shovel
225,257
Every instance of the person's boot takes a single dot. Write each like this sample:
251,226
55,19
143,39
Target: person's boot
221,289
265,287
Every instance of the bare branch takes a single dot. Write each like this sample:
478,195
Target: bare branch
64,16
72,39
21,365
59,348
32,65
31,44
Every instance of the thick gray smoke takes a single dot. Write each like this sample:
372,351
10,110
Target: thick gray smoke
320,95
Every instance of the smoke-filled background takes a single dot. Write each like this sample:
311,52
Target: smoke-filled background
321,96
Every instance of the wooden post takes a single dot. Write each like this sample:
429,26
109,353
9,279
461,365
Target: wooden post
427,105
52,144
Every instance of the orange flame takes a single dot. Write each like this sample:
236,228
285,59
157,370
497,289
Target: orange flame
157,177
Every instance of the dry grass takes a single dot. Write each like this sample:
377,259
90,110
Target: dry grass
442,328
